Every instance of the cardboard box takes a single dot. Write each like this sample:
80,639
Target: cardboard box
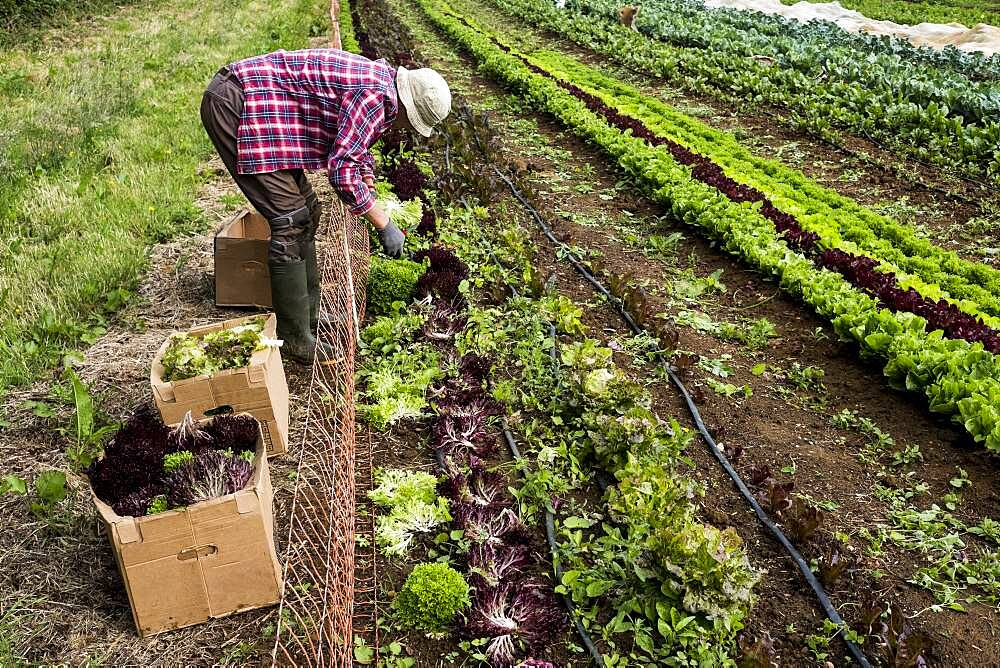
242,277
208,560
259,389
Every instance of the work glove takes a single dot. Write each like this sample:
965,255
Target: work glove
392,240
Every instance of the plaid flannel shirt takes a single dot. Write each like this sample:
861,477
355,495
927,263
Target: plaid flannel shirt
312,109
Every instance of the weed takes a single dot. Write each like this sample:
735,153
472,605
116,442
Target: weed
901,209
754,334
907,455
89,437
808,378
663,247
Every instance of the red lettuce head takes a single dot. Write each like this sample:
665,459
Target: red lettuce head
524,614
209,475
407,180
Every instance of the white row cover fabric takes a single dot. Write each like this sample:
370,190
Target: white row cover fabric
982,37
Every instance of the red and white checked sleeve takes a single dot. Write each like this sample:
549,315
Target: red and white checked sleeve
358,126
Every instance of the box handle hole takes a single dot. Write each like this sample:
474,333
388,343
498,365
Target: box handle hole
197,552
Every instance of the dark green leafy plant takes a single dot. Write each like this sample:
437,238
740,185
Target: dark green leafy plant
50,490
89,436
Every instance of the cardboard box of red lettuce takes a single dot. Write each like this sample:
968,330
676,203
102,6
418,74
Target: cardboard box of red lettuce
188,512
230,366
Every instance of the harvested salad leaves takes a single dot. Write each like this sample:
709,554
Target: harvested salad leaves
189,356
150,468
405,215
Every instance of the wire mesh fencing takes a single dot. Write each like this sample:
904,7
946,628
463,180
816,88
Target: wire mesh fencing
314,625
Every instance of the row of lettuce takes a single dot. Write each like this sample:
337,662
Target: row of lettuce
465,516
815,48
957,378
957,320
935,113
837,222
348,40
481,575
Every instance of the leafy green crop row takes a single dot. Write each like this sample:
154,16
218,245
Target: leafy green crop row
839,221
816,48
348,41
928,131
911,12
957,378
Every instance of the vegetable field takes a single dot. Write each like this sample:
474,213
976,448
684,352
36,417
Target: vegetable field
693,358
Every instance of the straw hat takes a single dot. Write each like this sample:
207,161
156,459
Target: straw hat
426,97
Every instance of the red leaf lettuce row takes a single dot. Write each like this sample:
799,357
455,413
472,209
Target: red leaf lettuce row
863,272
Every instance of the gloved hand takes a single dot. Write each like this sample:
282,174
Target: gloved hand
392,240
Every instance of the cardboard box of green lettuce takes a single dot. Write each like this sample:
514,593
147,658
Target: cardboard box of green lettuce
229,366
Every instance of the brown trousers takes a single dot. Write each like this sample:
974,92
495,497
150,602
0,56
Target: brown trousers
284,197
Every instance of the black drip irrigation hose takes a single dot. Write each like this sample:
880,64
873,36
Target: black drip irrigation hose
550,522
762,516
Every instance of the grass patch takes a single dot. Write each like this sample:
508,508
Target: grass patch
23,21
100,145
13,632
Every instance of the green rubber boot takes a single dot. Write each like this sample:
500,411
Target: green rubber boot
312,282
290,294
